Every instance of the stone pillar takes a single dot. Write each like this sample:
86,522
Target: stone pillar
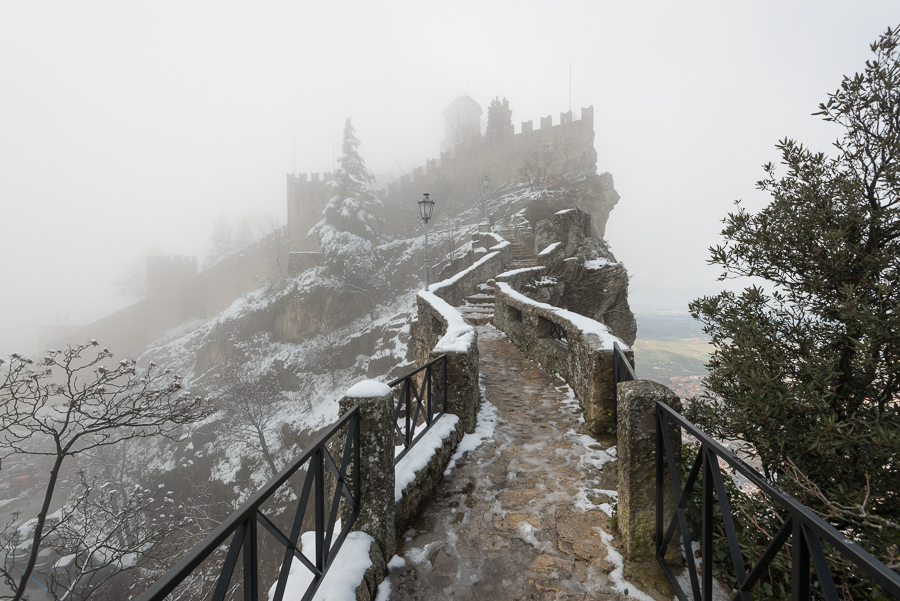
637,467
463,392
376,452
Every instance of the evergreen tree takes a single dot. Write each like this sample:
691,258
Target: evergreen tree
499,117
353,205
806,372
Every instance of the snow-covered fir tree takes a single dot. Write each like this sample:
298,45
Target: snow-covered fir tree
353,205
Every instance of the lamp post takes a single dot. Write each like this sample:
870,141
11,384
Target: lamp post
485,184
426,206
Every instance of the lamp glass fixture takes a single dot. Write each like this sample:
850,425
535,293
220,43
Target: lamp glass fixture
426,207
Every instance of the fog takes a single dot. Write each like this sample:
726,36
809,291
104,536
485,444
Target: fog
130,127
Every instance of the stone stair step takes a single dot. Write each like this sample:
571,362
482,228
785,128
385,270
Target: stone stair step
480,298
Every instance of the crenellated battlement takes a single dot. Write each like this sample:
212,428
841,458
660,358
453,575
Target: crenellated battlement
511,157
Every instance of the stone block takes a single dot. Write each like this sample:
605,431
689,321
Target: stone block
376,452
637,466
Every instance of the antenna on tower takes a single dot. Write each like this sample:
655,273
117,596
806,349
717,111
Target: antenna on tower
570,86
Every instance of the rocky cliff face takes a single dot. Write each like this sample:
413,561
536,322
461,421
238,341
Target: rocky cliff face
581,273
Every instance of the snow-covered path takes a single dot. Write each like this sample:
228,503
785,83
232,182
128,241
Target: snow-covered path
525,515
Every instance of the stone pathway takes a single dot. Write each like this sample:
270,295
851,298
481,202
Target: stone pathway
522,516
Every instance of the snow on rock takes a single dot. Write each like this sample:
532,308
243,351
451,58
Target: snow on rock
384,590
616,577
598,263
550,248
419,456
588,326
526,532
368,389
453,279
486,422
513,272
459,334
344,575
396,563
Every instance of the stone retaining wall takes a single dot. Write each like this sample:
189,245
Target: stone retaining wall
584,360
455,289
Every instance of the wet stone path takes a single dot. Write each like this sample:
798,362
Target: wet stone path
525,515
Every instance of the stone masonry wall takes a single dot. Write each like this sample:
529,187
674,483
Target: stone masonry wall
585,360
551,150
455,289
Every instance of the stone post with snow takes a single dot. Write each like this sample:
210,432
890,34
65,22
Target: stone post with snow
376,452
636,434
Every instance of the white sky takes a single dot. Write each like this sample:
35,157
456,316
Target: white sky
126,126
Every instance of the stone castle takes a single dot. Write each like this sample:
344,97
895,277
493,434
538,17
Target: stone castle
509,158
177,291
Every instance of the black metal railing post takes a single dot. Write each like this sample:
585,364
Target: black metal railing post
251,563
706,544
799,564
805,530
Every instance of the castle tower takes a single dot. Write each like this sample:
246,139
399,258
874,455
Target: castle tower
462,124
306,199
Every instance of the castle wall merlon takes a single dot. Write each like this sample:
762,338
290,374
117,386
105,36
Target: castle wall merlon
587,115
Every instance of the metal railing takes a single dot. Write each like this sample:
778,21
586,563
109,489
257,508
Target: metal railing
419,406
804,529
241,525
622,370
558,333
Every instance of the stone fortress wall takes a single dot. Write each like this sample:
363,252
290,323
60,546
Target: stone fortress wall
177,291
456,178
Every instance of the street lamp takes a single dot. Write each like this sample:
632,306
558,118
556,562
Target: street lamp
485,184
426,207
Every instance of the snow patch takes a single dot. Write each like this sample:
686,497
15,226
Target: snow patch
419,456
550,248
455,278
513,272
460,335
598,263
396,563
346,572
384,590
368,389
486,422
619,584
526,531
588,326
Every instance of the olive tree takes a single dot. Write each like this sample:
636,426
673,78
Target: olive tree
806,371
